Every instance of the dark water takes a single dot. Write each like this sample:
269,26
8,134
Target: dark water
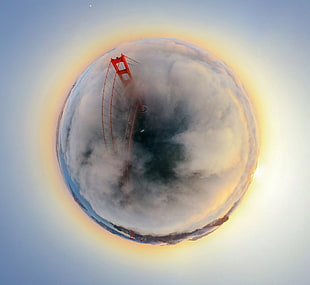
154,146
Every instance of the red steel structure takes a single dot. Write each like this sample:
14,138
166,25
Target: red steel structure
120,105
122,68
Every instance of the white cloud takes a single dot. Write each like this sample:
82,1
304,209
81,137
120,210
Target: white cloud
184,87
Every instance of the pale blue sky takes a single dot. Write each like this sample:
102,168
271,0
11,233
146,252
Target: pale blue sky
265,242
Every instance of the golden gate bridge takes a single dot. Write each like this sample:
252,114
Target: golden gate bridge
121,102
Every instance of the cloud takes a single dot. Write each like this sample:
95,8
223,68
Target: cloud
192,158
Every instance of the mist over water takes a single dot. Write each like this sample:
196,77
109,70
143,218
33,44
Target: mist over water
193,151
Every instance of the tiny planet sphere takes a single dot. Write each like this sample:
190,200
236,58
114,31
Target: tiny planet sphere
157,141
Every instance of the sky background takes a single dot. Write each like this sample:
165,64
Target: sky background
47,239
